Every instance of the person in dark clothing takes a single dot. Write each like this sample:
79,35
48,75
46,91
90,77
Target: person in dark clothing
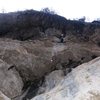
62,38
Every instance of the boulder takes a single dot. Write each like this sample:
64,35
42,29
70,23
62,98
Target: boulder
83,83
11,83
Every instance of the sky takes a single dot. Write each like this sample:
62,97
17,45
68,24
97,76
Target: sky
71,9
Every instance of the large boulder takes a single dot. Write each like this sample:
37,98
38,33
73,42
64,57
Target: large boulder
11,83
83,83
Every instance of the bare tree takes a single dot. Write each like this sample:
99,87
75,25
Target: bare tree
47,10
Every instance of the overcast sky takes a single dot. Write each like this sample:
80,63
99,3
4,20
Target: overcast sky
67,8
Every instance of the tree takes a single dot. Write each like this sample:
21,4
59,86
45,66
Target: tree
47,10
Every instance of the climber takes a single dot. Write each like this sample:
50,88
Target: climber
62,38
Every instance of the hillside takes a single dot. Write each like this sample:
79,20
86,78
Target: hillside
35,63
30,24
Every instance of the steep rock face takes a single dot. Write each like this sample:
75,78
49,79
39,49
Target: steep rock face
81,84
